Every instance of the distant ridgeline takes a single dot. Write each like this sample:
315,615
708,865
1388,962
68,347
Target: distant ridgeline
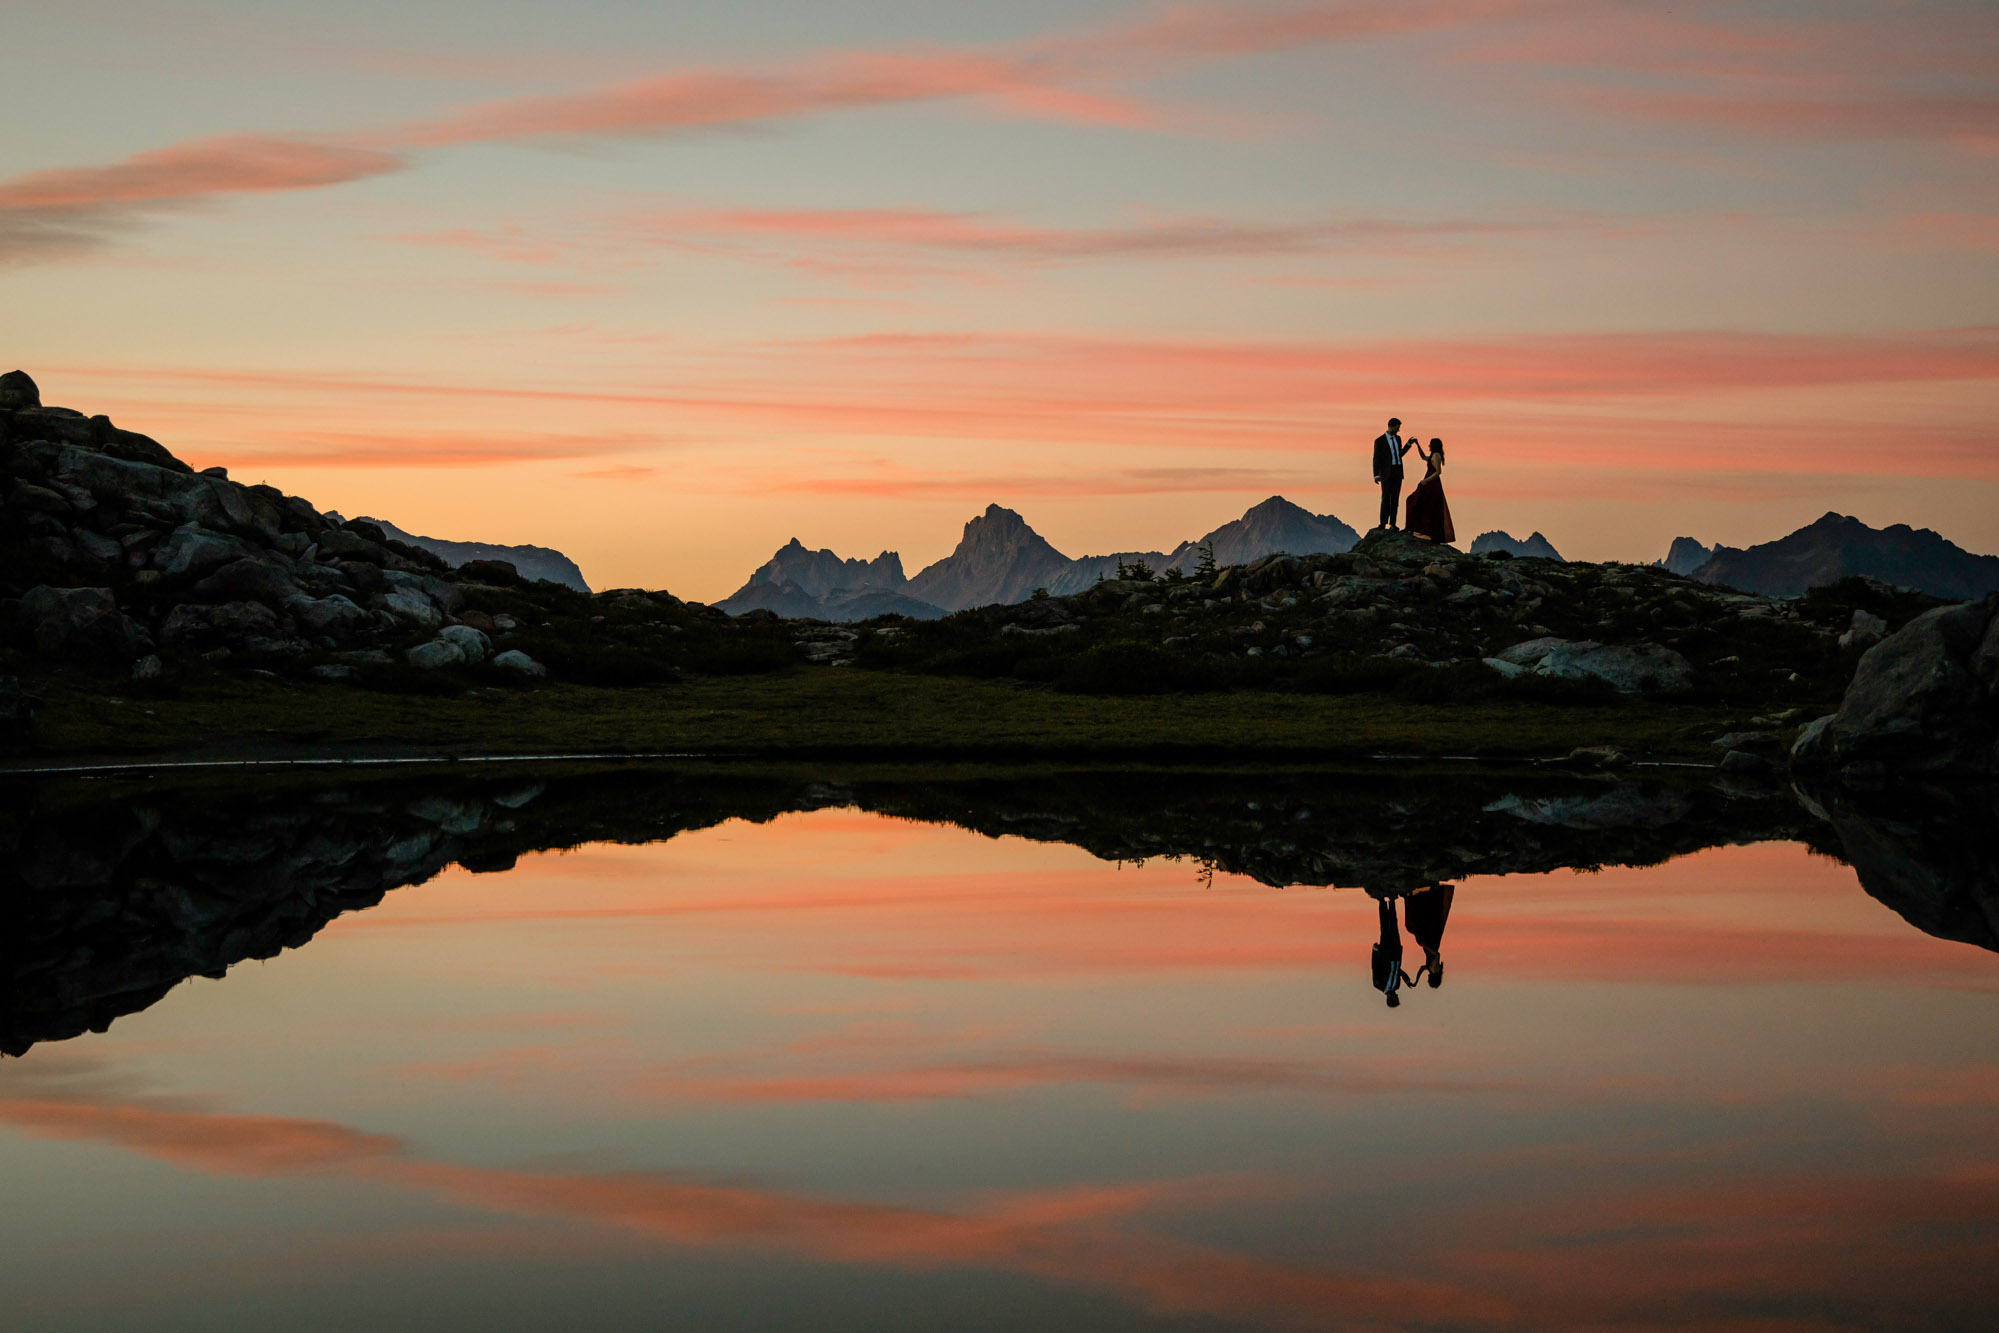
1535,547
1001,560
533,562
1837,547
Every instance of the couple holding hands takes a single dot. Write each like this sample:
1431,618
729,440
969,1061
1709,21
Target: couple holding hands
1429,516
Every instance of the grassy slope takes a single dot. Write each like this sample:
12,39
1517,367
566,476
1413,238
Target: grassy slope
841,711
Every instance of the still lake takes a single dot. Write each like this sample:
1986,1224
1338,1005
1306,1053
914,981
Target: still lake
709,1051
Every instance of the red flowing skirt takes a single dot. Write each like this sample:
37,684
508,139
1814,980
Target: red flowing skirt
1429,514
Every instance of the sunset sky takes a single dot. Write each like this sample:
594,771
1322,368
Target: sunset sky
664,285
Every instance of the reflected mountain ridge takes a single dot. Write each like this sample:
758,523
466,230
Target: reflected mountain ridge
111,894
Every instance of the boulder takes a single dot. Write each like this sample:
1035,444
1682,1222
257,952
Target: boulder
192,551
1630,670
1867,628
1531,652
468,641
251,579
409,605
1924,700
342,544
82,624
244,625
520,663
17,390
333,617
435,654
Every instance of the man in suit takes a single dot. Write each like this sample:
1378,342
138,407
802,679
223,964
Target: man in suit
1388,451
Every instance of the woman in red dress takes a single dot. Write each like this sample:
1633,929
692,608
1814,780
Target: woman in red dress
1429,514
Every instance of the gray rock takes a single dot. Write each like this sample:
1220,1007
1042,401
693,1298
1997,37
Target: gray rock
1923,700
1531,652
97,546
333,617
1645,666
408,605
149,667
517,661
1756,742
195,625
330,671
434,655
474,645
251,579
1504,667
192,551
1867,628
82,624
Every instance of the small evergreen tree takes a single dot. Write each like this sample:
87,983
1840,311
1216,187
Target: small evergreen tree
1204,568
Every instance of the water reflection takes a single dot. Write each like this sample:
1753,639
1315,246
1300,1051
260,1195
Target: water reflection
711,1049
114,893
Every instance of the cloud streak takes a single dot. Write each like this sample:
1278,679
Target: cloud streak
46,213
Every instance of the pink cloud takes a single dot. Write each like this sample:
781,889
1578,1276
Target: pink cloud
50,212
47,212
902,230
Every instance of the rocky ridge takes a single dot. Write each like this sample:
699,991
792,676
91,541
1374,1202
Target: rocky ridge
1396,604
116,556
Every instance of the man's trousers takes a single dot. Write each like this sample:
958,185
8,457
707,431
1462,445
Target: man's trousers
1391,496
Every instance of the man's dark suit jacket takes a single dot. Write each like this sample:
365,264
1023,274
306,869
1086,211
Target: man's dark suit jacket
1387,458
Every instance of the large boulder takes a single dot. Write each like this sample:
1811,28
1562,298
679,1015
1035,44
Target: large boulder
251,579
192,551
1924,700
1631,669
82,625
235,625
18,390
334,617
469,642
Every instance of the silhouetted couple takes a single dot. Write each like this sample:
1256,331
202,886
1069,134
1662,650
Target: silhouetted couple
1429,515
1425,912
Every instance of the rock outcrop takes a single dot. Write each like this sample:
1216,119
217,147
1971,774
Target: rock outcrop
1925,700
1837,547
119,558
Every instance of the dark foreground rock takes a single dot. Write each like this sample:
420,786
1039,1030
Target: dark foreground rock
1923,701
1930,851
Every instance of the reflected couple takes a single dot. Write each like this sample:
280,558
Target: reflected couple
1424,912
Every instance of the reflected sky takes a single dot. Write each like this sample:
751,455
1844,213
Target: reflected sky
840,1070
